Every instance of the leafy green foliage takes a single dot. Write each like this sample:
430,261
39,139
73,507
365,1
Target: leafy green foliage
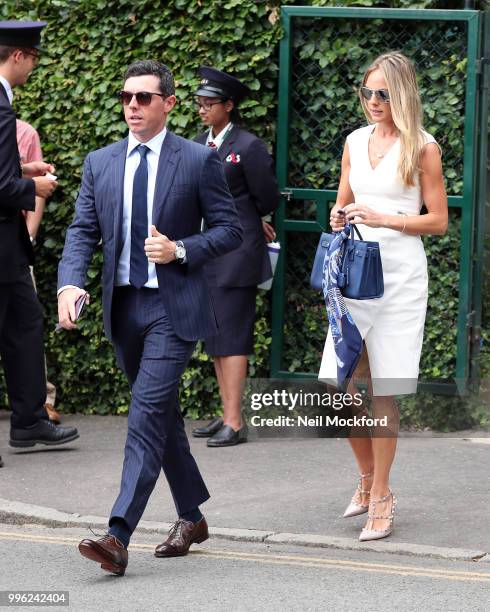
70,100
328,61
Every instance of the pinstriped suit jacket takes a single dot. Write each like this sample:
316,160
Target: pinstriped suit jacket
190,185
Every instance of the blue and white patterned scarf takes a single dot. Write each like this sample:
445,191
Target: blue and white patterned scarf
346,337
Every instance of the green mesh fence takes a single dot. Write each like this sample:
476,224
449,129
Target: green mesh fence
328,60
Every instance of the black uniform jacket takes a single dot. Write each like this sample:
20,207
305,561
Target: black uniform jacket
249,171
16,194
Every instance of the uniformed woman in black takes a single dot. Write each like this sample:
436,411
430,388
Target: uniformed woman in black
233,278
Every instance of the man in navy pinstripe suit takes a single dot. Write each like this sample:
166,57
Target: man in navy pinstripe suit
145,197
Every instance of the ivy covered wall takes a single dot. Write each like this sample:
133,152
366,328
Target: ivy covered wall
70,100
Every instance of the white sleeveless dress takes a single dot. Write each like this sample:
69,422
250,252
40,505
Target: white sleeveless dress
392,326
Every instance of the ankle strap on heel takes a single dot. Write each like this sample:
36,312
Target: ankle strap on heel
359,486
380,501
366,475
383,499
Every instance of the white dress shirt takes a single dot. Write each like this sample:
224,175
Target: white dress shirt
8,88
218,139
132,162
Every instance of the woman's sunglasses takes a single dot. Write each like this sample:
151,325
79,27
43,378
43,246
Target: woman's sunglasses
381,94
143,98
207,106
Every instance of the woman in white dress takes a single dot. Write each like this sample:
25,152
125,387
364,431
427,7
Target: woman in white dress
389,169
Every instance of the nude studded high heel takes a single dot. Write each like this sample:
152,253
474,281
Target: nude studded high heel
378,534
354,509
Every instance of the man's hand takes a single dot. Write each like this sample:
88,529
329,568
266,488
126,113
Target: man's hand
44,186
66,306
269,232
159,249
36,168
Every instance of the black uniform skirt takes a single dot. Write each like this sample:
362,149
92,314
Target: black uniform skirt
235,313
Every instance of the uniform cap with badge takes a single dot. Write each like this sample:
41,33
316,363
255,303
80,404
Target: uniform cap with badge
218,84
14,33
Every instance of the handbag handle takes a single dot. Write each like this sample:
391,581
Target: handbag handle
356,230
351,233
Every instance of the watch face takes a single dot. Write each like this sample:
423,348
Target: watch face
180,252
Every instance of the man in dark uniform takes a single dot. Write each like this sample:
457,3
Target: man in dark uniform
21,317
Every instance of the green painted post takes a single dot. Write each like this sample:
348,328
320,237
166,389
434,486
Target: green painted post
282,174
481,195
467,211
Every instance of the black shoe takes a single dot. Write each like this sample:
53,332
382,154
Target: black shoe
227,436
44,432
1,462
213,427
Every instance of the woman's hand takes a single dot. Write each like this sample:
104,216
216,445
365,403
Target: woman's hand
337,219
269,231
359,213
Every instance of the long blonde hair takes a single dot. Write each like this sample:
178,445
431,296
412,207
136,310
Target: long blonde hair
406,109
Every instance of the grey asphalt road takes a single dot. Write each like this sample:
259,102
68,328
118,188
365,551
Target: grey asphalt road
288,485
237,576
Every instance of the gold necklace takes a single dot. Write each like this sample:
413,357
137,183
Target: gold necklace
379,154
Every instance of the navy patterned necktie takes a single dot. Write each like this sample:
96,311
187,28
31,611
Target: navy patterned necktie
138,266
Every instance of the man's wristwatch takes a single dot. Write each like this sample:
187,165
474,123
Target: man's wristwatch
179,253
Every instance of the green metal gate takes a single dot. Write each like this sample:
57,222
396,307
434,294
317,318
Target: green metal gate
323,54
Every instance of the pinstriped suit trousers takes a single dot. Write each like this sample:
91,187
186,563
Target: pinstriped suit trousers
153,358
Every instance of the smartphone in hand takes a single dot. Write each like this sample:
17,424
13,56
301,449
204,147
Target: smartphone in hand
79,305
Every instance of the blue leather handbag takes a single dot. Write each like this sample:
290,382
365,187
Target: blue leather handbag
361,274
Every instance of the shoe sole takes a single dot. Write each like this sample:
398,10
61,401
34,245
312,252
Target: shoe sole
30,443
226,444
89,553
203,435
183,554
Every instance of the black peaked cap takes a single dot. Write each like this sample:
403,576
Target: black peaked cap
14,33
218,84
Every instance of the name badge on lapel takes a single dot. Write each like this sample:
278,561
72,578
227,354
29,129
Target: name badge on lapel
233,158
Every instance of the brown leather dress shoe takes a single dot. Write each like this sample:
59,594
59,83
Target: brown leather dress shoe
181,536
53,414
108,551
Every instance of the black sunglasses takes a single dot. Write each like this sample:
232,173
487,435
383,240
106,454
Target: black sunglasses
381,94
143,98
